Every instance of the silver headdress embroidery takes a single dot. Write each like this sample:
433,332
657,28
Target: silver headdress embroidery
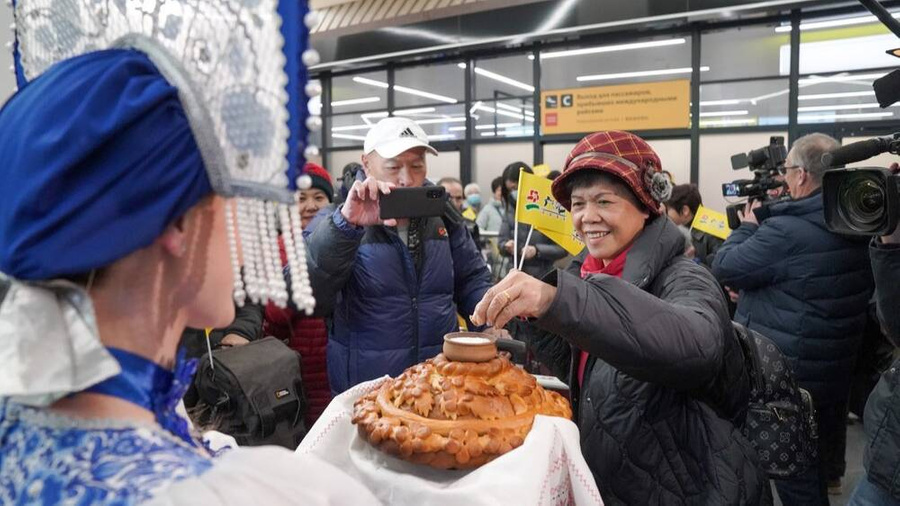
233,68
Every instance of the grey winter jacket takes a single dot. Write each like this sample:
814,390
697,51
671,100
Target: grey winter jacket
664,381
882,416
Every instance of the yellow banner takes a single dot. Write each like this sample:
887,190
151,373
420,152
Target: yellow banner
638,106
542,170
570,242
536,206
469,214
711,222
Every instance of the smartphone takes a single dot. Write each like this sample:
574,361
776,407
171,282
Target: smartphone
420,202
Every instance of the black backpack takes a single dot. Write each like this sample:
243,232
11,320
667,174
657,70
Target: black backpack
780,421
253,393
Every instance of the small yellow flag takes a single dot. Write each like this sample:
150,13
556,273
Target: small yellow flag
711,222
469,214
537,207
571,242
542,170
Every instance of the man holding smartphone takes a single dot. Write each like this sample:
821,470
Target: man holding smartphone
391,287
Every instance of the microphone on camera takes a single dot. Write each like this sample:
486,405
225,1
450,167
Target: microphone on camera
857,152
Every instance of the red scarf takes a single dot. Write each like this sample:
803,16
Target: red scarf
593,266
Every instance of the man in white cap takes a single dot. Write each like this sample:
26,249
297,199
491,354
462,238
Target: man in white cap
392,288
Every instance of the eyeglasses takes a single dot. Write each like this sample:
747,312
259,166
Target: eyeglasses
784,168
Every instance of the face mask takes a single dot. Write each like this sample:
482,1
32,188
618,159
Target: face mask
474,199
514,194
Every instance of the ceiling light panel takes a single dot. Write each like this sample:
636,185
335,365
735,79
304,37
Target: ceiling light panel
610,49
640,73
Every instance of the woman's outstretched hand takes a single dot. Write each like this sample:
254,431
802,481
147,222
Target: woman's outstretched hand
517,295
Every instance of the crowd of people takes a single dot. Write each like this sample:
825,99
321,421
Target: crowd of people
638,325
133,241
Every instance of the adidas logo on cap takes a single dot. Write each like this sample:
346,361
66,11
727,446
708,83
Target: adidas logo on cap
392,136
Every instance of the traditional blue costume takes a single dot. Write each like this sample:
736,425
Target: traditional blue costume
128,114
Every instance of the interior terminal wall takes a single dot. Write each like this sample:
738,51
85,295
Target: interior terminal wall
489,160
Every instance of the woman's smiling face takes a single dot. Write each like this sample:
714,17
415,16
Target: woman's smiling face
607,221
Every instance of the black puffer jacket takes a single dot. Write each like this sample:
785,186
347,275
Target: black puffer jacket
882,418
803,287
664,379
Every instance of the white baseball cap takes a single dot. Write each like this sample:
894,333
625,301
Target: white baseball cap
392,136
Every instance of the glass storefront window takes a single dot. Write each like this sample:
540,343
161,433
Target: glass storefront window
505,77
359,92
429,85
839,98
752,51
441,123
503,118
350,129
748,103
659,59
845,43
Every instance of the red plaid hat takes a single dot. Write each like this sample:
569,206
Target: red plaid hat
623,155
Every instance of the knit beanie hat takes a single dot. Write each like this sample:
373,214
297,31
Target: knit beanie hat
320,179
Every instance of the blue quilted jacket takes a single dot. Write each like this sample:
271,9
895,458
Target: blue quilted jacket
804,287
386,313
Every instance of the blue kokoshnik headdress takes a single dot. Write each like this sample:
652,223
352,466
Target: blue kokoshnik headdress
130,112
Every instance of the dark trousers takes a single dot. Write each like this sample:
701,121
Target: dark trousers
810,488
806,489
832,419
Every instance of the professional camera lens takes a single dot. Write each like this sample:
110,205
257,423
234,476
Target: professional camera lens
861,202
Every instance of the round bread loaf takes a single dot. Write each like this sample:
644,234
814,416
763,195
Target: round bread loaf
455,415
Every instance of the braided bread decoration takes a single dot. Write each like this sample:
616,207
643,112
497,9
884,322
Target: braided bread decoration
455,415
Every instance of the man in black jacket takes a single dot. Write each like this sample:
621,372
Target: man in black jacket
808,290
881,483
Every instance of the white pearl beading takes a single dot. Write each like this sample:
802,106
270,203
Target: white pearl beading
277,283
303,290
262,237
248,246
239,294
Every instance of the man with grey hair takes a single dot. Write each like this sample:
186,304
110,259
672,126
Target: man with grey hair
808,290
390,288
454,189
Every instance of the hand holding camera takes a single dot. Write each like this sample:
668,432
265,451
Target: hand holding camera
363,206
767,164
748,216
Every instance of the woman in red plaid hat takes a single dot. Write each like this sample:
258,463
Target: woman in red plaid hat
305,334
657,375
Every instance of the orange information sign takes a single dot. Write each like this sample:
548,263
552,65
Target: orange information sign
638,106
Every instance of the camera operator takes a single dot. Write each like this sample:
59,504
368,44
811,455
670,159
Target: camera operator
807,289
881,483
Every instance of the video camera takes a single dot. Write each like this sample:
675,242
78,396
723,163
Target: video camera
765,163
865,200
